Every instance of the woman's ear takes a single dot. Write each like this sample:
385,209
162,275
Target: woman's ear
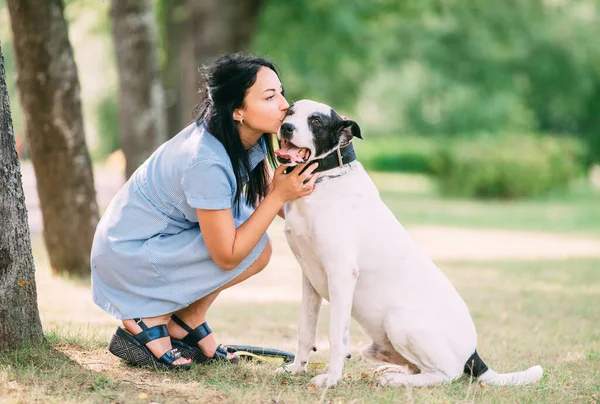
237,115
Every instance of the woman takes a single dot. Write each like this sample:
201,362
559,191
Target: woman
192,220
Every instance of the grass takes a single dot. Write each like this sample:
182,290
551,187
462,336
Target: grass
527,312
414,200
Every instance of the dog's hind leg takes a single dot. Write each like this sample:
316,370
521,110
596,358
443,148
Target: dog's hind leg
422,346
307,328
403,369
370,352
403,375
421,379
396,363
377,353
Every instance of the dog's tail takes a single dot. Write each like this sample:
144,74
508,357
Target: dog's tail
477,368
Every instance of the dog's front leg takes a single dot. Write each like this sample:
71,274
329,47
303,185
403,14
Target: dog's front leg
307,328
342,281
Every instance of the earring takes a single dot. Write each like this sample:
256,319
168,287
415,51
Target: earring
241,121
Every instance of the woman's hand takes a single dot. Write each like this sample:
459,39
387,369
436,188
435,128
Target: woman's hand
287,187
229,245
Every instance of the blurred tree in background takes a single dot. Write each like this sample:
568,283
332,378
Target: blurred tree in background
443,66
50,96
193,34
501,65
325,49
141,96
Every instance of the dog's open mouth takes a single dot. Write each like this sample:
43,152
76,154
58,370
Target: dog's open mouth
289,153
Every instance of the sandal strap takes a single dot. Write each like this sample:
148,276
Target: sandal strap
151,333
194,336
170,356
139,322
222,351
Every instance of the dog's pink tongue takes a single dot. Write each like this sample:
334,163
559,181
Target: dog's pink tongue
290,152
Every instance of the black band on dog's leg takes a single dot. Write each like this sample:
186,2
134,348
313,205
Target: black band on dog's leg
475,366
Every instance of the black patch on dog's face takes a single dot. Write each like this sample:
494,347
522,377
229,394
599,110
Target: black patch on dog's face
324,130
329,131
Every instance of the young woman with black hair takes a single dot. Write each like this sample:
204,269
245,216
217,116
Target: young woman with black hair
192,220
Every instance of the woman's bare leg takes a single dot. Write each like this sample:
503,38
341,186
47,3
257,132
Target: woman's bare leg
195,313
159,346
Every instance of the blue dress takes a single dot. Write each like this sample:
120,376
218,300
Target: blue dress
149,257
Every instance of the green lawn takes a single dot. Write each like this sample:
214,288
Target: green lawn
414,200
535,312
543,313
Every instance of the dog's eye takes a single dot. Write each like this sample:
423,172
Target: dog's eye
316,121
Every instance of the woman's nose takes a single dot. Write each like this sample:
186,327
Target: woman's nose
284,104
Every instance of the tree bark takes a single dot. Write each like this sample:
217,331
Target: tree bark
19,317
50,96
197,32
141,95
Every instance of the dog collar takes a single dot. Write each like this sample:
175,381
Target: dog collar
343,155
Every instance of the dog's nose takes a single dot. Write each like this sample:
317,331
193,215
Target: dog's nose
287,130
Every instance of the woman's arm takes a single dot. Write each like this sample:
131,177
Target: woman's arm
269,174
227,245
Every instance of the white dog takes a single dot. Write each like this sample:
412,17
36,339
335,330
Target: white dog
354,253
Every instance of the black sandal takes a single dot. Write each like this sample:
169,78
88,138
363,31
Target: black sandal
132,348
189,344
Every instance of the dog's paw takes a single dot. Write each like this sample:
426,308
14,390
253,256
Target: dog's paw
325,380
387,379
291,369
381,370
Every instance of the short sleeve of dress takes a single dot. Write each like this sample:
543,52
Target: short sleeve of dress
206,185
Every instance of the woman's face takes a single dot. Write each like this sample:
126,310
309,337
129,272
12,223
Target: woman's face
264,105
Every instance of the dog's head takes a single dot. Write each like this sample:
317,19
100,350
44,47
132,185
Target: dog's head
312,130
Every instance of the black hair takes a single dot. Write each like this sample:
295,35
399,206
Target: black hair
226,83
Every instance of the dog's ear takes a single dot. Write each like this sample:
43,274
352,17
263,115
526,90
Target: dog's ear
348,129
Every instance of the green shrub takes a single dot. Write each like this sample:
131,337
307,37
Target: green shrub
409,154
107,121
507,166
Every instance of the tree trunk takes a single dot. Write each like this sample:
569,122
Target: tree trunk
141,96
197,32
19,317
49,92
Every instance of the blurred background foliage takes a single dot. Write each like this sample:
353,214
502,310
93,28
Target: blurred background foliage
495,99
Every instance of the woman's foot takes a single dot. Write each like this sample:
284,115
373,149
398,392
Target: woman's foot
159,346
207,344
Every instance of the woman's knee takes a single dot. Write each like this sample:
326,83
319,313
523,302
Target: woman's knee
258,265
265,257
